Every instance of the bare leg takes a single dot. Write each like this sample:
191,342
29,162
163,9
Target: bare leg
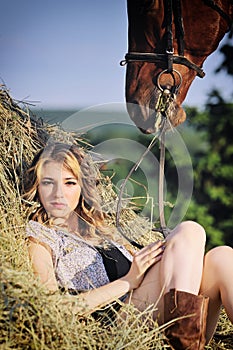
180,268
217,284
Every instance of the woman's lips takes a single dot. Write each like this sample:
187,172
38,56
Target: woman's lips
58,205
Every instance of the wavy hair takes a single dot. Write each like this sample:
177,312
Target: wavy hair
91,221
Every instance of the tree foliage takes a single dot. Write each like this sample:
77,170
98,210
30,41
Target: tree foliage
213,168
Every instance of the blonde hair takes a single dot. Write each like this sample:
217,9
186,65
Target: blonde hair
91,218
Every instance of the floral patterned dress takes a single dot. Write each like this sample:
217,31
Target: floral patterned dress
78,265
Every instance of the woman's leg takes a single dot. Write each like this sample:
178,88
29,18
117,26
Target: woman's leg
217,285
180,268
173,284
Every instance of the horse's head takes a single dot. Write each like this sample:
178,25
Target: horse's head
168,42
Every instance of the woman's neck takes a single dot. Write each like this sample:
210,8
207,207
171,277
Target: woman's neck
70,223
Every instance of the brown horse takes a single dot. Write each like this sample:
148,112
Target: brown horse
168,41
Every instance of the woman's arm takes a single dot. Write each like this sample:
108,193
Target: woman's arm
42,264
43,267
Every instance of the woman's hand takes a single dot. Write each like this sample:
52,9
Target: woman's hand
142,261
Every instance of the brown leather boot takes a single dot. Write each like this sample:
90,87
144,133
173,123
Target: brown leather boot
189,331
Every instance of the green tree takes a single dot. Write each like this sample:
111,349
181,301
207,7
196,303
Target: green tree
227,52
213,170
213,200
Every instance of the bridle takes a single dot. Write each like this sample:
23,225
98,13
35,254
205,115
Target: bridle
172,10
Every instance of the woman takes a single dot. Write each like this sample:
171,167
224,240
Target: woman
71,248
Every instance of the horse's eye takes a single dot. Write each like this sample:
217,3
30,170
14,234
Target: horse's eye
146,5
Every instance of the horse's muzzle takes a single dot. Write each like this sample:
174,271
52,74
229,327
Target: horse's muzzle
149,120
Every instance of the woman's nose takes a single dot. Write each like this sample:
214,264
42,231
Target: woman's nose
58,191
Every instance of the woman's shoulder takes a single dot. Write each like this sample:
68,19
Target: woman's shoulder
37,226
39,231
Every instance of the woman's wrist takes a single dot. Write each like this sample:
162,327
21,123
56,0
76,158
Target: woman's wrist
130,282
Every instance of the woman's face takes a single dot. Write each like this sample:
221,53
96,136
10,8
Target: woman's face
59,190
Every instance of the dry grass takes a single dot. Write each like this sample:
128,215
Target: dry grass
29,317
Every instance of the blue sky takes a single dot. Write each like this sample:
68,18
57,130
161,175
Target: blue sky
66,54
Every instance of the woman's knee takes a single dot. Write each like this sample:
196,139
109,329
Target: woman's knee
190,232
220,257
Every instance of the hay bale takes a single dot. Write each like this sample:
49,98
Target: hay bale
29,317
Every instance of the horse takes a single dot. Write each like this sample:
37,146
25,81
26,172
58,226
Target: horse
168,42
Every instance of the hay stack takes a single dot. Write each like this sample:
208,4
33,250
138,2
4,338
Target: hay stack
29,317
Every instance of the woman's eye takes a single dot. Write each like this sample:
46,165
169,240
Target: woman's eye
71,183
46,182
